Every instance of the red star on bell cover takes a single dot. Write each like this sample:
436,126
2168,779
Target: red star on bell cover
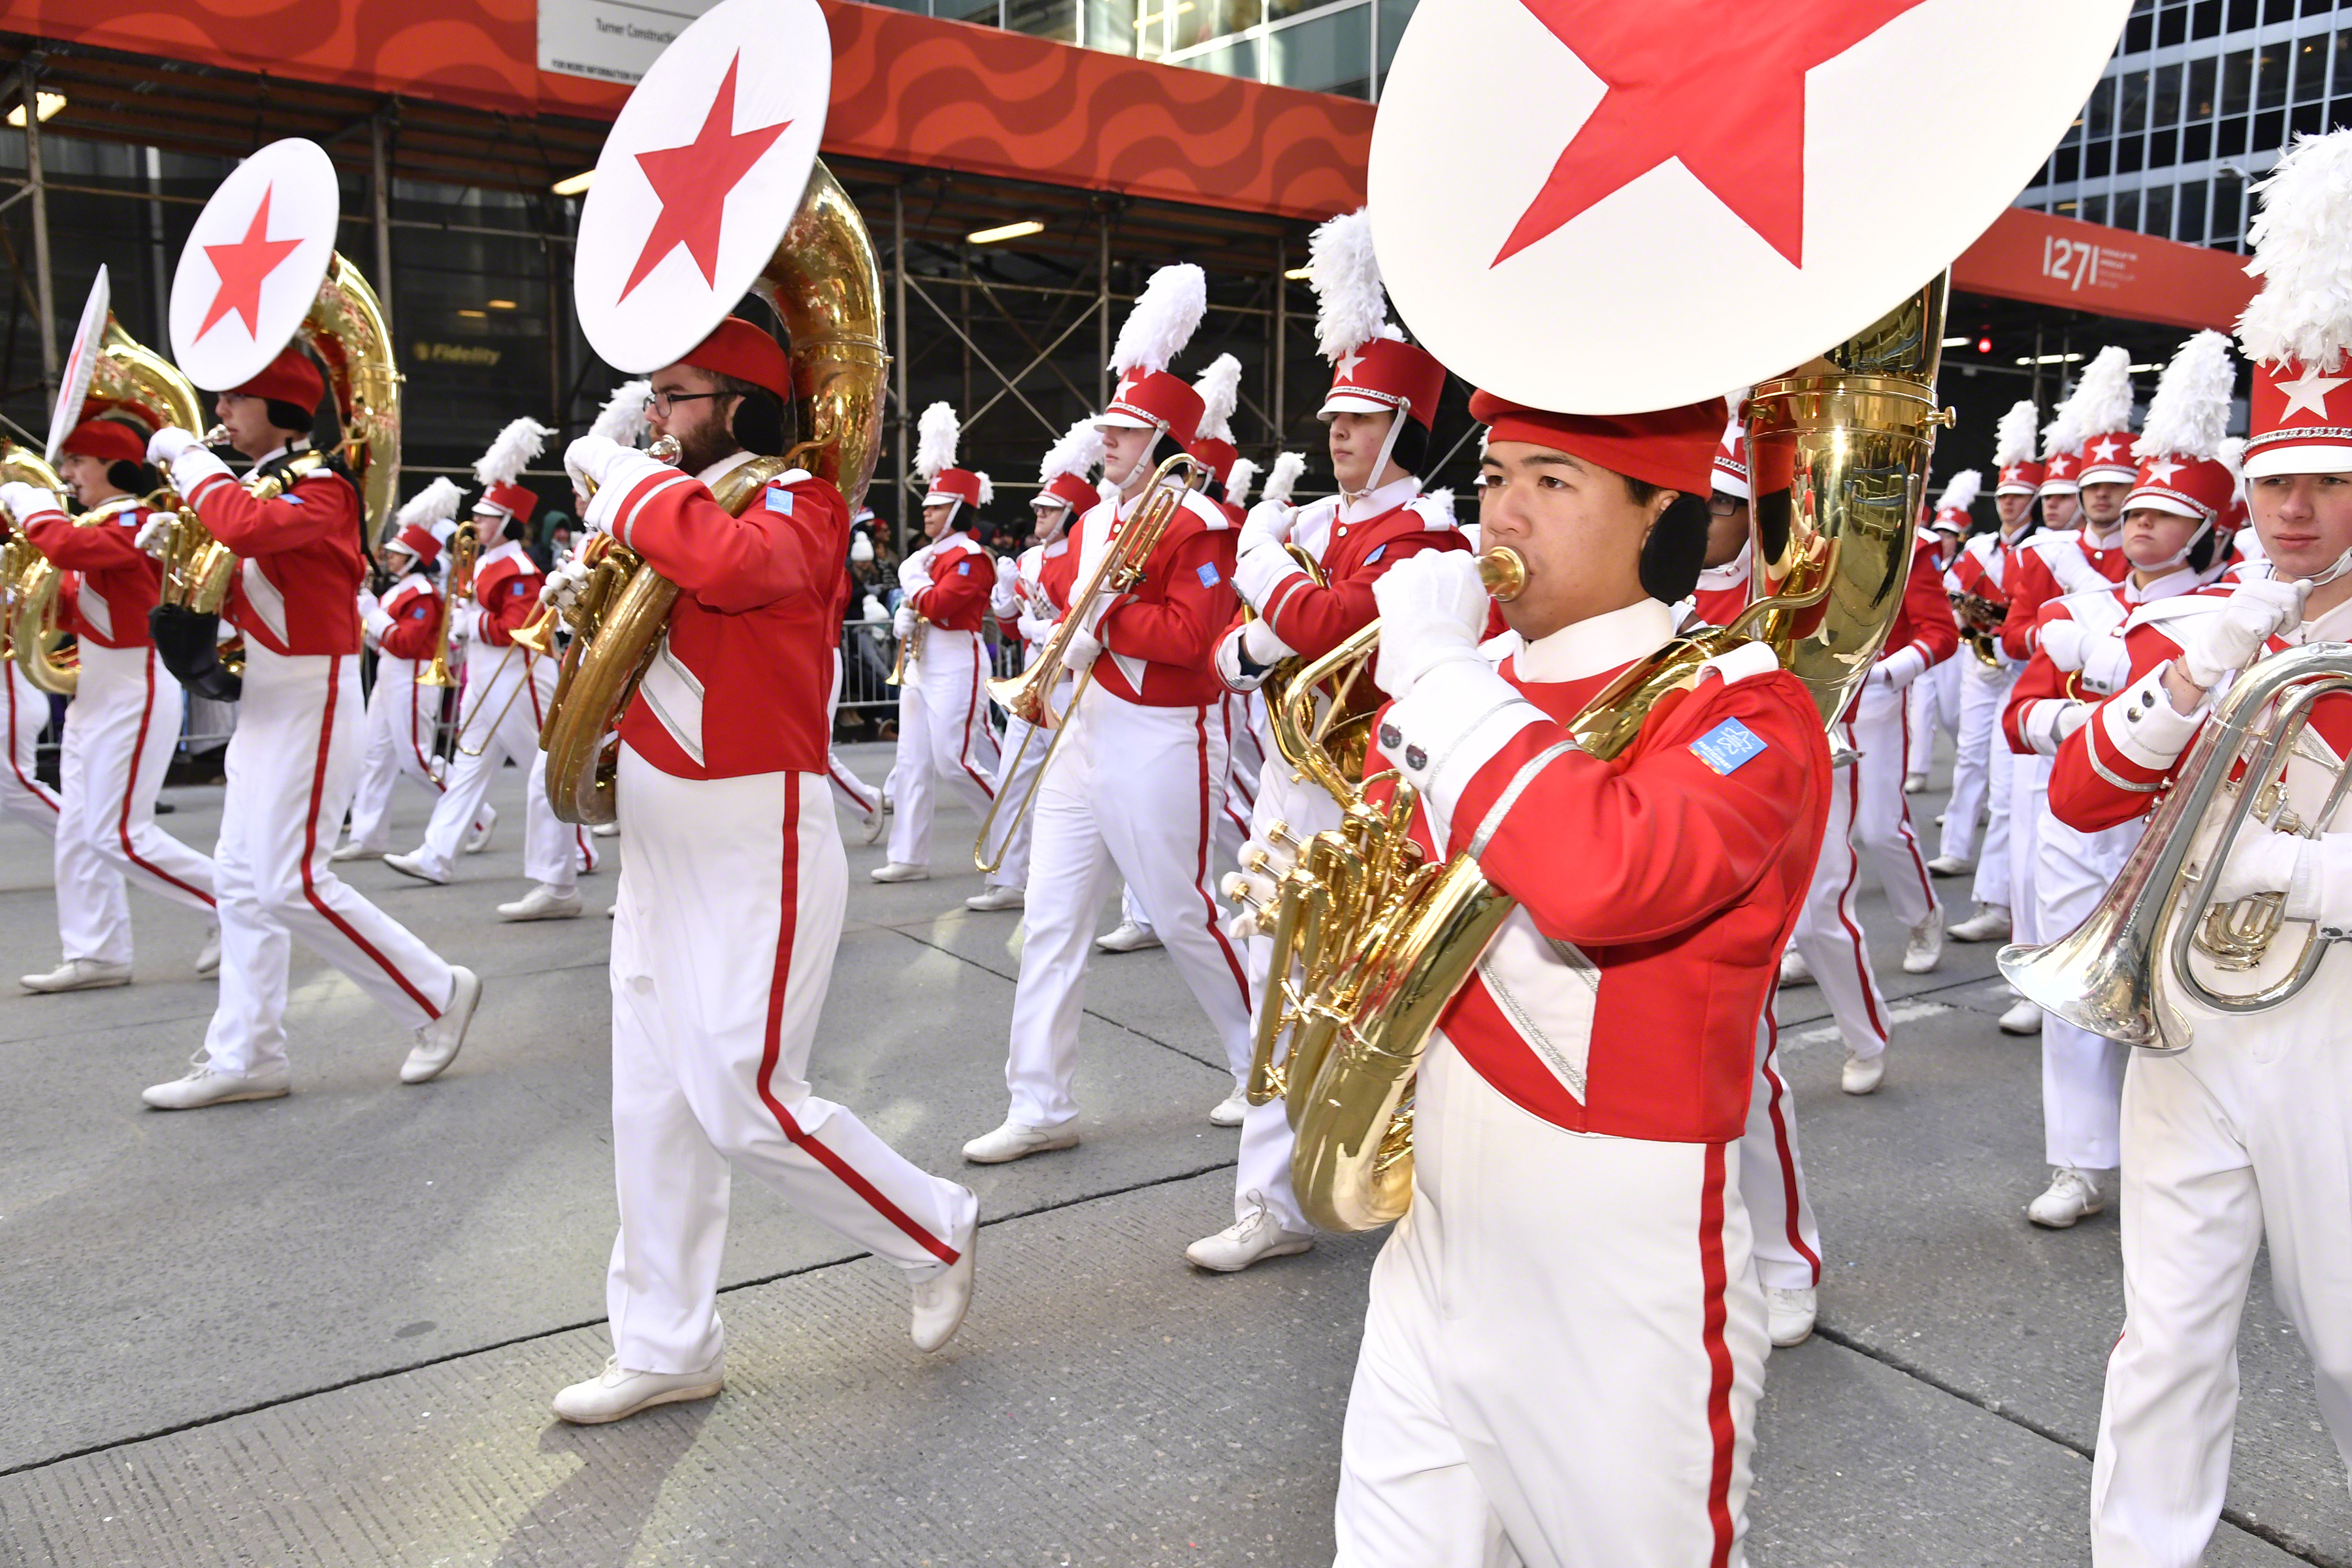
1718,84
243,265
693,182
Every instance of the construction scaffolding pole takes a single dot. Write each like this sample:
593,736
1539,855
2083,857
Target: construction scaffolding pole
899,350
1102,313
379,189
1281,338
43,292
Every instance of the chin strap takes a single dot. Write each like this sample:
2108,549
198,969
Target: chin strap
1379,463
2343,563
2181,556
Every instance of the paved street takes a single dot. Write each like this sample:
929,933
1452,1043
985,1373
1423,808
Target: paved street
324,1330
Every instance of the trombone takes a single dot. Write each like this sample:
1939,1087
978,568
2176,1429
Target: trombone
465,546
1029,696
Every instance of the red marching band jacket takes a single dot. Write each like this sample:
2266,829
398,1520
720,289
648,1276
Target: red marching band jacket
1924,633
1158,638
111,583
963,575
298,579
413,604
738,684
1655,890
2050,565
506,583
2043,691
1312,621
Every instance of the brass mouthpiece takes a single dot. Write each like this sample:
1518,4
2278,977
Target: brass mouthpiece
216,436
665,449
1503,572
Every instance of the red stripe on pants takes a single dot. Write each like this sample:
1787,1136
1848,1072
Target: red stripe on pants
971,710
311,844
1852,872
1201,862
31,788
779,980
1789,1198
1719,1357
122,823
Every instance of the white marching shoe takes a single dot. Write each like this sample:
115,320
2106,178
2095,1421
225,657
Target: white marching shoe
479,838
1926,948
203,1085
352,849
1789,1315
2072,1196
437,1042
413,865
1006,897
2022,1019
615,1392
1793,968
1917,783
208,955
606,830
1128,938
1862,1075
1990,923
1229,1111
1948,866
544,903
942,1301
1018,1141
1252,1238
900,872
79,975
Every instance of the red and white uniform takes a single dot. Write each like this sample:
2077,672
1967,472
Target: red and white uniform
1869,817
1721,594
1575,1115
403,718
292,765
499,715
22,793
1134,789
119,730
1036,597
943,731
1982,769
2235,1142
733,883
1356,540
1933,701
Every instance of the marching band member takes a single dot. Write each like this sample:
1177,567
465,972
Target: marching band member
1654,890
2240,1139
734,883
862,797
2173,537
1138,778
1724,574
943,731
506,696
23,795
1377,414
1220,387
404,718
1982,768
1034,595
295,757
124,719
1935,697
2090,472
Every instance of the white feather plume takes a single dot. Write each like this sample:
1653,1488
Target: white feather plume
1220,387
2103,398
2061,434
436,503
512,452
1077,453
1238,480
2012,440
987,489
2190,414
1442,499
623,417
935,436
1351,305
1283,478
1162,319
2233,454
2304,310
1961,490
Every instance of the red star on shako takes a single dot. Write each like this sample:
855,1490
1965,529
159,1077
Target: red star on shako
243,265
1719,84
694,182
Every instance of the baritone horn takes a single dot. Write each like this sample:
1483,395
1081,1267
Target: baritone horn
825,285
29,586
1373,940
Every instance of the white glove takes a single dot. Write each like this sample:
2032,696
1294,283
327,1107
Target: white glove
902,624
368,604
915,570
1259,572
375,622
21,500
1262,866
154,534
2106,666
590,459
1034,628
1268,522
2067,641
1084,647
2071,717
1433,610
1008,573
563,584
2262,861
2232,637
164,446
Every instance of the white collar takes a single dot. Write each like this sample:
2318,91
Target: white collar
1603,642
1715,579
1368,504
2113,537
2179,580
108,507
723,468
2336,626
504,548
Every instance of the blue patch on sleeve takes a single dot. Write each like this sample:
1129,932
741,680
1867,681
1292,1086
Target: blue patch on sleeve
1209,578
779,499
963,569
1728,747
290,498
1376,555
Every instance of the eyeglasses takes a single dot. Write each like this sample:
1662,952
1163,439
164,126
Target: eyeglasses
1721,505
666,403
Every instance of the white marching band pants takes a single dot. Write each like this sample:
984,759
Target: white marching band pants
2245,1136
1879,727
1135,792
1933,703
2081,1073
1829,934
943,736
731,908
402,717
499,719
120,730
1788,1238
1980,776
291,765
2029,812
21,794
1020,754
1562,1354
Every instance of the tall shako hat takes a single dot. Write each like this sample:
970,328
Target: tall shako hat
623,417
2013,452
935,436
417,526
498,468
1062,478
1373,369
1162,321
2298,330
1220,387
1731,475
1960,494
2102,410
2184,452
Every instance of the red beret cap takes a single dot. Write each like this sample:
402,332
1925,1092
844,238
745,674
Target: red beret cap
1672,448
737,348
288,378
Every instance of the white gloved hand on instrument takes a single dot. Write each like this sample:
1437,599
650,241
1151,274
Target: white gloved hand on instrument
21,500
902,624
563,584
154,534
1433,611
2065,641
2263,860
2232,637
1263,865
164,446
